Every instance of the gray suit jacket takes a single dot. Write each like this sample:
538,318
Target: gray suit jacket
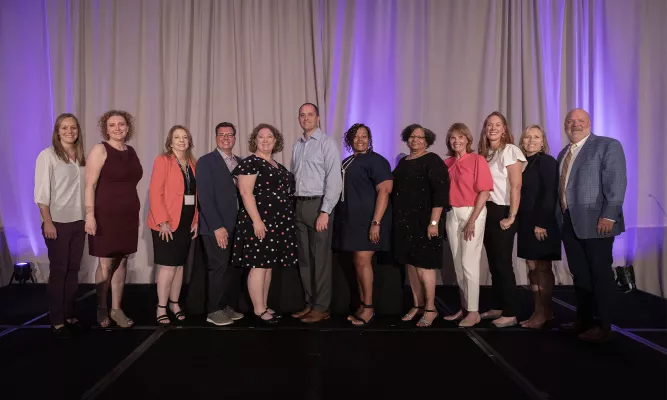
596,187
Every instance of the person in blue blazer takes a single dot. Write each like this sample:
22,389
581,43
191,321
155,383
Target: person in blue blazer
218,206
591,193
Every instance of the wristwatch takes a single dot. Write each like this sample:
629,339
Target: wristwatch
374,222
434,223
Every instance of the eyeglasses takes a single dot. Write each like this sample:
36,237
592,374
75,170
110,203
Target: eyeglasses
417,137
225,135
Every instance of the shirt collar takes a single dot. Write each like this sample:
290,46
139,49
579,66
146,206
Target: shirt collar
317,133
225,156
580,143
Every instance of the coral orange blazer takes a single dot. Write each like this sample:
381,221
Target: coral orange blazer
166,192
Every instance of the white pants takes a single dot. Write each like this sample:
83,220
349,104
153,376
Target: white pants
467,254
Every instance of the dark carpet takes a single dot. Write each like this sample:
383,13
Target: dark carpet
330,360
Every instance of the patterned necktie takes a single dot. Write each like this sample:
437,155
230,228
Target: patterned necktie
563,177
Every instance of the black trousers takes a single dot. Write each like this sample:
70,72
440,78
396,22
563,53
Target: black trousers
590,262
223,279
65,254
499,244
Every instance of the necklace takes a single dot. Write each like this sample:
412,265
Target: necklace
345,166
413,156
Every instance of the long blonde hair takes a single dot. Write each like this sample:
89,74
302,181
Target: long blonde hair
78,145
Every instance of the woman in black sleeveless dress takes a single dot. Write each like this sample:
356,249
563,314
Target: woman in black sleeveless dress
538,240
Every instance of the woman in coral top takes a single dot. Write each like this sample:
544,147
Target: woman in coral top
470,185
172,218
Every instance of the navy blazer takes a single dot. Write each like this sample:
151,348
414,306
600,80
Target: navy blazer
596,188
217,194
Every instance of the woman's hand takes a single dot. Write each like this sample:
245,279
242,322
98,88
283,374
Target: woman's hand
469,231
166,232
540,233
194,231
91,224
374,234
50,231
506,223
432,231
260,229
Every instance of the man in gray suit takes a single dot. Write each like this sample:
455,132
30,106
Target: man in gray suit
316,167
591,192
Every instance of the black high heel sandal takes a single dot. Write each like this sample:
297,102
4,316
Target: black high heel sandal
180,316
363,321
162,318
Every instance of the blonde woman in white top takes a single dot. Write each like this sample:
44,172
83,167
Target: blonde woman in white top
59,184
505,161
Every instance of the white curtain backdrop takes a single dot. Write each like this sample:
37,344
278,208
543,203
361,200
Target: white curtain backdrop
386,63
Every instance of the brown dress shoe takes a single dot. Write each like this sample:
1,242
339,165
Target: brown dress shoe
315,316
302,313
596,335
576,327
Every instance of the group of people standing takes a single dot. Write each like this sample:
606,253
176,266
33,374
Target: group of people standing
257,214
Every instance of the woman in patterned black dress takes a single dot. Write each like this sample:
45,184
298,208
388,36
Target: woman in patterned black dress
265,235
420,200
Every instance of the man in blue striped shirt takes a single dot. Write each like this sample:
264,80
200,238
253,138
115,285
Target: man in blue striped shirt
316,168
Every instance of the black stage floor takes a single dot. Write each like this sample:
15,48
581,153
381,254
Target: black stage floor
331,360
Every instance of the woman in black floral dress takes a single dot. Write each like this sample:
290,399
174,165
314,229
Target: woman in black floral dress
265,236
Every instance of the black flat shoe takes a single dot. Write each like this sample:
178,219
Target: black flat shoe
75,327
261,321
61,333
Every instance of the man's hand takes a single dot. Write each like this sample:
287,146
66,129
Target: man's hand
605,226
322,222
221,237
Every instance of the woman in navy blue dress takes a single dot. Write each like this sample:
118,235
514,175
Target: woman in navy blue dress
363,214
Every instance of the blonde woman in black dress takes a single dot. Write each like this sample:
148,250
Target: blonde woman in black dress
538,236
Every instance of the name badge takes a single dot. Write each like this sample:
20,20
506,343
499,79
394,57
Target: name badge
189,199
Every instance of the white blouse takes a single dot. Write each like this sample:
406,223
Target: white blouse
498,165
60,185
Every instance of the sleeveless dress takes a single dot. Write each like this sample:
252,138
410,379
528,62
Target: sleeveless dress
117,205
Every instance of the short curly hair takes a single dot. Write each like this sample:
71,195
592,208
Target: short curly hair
348,139
430,136
252,141
129,120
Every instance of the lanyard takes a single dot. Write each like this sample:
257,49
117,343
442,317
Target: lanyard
344,167
187,175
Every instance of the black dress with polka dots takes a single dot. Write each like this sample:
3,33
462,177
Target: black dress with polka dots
272,190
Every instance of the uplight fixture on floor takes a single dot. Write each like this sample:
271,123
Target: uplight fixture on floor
22,273
625,278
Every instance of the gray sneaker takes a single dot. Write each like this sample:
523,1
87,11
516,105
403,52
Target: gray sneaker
219,318
235,316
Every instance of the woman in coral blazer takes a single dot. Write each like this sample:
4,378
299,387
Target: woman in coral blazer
172,218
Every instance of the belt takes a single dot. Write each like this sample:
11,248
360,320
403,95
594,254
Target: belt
305,198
